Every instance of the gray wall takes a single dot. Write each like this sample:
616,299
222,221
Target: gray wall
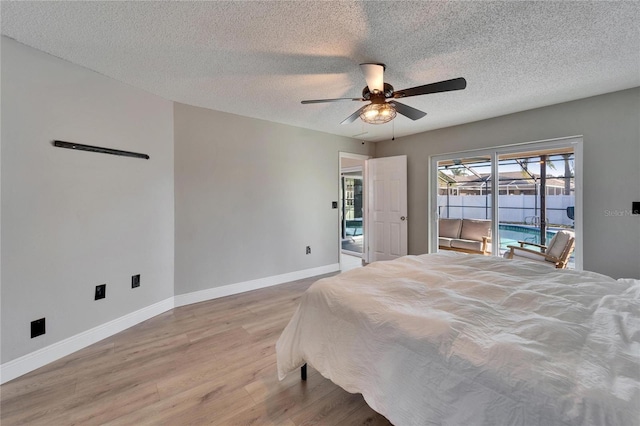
72,220
610,125
250,196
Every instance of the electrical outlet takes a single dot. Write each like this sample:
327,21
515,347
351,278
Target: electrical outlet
101,291
37,327
308,249
135,281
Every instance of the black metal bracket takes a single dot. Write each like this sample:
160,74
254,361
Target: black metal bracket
303,372
91,148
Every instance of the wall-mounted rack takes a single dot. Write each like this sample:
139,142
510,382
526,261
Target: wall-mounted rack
91,148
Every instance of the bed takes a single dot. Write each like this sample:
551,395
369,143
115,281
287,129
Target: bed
456,339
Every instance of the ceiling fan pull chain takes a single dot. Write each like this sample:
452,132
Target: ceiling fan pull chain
393,130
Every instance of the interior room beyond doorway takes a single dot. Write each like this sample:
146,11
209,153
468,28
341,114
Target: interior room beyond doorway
351,206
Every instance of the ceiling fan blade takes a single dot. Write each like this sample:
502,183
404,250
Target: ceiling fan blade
320,101
442,86
374,75
407,111
353,117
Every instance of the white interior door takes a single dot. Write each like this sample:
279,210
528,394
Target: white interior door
387,206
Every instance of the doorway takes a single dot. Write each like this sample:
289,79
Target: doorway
351,207
352,212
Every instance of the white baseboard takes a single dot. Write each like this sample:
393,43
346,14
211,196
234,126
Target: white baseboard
23,365
228,290
34,360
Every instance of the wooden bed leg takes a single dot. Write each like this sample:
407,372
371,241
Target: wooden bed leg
303,372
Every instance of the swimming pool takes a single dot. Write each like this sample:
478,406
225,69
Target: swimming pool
511,234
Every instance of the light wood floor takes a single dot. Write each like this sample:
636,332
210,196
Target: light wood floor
207,363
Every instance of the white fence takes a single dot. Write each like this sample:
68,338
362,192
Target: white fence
513,208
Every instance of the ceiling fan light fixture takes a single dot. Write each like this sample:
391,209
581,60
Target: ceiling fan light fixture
377,92
378,113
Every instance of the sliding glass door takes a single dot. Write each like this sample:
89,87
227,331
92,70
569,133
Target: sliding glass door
465,205
537,196
528,192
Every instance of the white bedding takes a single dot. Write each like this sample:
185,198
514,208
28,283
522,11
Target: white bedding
455,339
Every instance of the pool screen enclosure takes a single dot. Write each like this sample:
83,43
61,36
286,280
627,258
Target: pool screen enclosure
536,192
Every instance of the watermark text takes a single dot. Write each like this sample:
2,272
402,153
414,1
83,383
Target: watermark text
618,213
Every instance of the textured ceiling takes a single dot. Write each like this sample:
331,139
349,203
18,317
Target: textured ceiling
260,59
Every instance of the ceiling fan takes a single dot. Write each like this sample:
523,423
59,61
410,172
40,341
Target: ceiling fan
377,91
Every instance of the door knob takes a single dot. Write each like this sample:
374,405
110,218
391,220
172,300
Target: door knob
403,218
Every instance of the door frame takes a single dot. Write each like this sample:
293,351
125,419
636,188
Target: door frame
365,244
575,141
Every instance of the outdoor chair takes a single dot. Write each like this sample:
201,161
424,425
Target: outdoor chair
555,254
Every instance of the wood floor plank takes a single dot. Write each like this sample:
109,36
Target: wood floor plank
331,410
34,406
364,416
115,405
208,363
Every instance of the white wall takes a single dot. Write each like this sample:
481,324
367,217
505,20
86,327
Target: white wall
72,220
250,196
610,125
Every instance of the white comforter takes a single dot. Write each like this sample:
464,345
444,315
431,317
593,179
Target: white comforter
454,339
